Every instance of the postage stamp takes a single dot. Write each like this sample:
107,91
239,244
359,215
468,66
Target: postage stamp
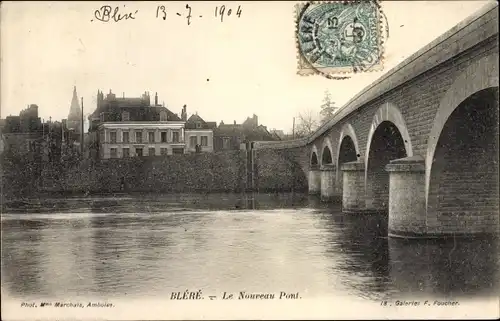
340,37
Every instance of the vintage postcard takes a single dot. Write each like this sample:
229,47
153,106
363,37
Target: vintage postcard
176,160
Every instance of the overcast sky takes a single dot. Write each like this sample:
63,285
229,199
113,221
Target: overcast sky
222,70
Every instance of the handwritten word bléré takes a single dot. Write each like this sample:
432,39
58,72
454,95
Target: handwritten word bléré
107,13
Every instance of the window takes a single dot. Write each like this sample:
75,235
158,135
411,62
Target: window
198,125
113,153
193,141
125,116
112,137
138,152
163,116
163,151
204,140
151,151
151,137
126,152
125,137
175,137
178,150
138,137
163,137
101,117
226,143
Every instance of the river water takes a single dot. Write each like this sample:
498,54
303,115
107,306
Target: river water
151,246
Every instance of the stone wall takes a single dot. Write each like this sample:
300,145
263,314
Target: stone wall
281,169
277,170
206,172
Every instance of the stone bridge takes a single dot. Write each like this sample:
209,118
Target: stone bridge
421,143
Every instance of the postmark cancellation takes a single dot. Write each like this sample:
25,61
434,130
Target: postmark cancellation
339,37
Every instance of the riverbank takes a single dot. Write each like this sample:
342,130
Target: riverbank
151,202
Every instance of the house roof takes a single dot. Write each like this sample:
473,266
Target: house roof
138,108
194,119
248,133
228,130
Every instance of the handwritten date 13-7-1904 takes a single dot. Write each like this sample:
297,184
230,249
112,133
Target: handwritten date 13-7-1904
108,13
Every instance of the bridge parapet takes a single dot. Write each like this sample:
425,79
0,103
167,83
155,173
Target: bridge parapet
281,144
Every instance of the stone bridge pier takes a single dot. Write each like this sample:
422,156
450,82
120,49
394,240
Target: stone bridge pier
353,188
328,182
406,196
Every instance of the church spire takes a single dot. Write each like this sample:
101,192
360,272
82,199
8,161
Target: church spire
74,110
74,117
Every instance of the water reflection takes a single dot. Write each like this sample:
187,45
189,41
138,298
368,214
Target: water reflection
21,256
362,240
151,246
446,268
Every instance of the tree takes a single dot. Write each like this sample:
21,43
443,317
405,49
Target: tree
306,124
328,108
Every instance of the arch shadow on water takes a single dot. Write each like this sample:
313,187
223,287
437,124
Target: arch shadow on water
360,240
450,268
375,266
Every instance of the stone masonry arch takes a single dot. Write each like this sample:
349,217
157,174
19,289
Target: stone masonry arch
347,130
314,151
388,112
326,143
479,75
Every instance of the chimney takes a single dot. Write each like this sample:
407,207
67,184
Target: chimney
184,113
156,99
235,122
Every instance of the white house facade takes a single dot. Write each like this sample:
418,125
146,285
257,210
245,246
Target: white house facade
136,139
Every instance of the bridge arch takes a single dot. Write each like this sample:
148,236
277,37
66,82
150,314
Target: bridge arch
461,165
326,152
391,113
314,157
347,151
388,139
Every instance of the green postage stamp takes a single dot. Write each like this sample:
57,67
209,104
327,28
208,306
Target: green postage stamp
340,37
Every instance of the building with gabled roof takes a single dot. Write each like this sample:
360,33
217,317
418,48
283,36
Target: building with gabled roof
132,126
199,133
232,136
